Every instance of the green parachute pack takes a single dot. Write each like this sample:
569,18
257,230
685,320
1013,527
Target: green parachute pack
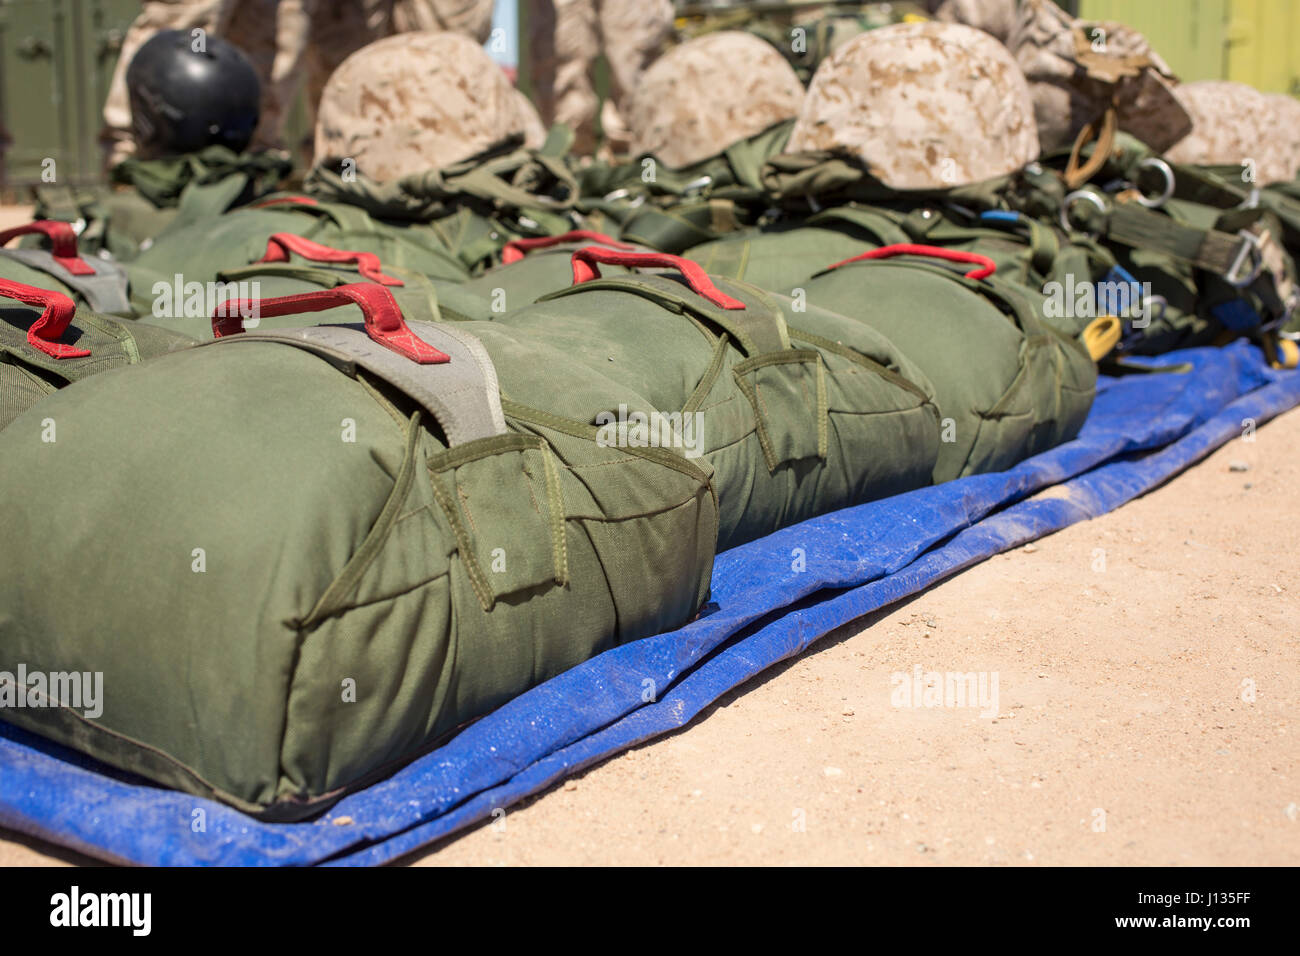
671,209
447,224
146,198
56,263
1218,255
47,342
373,532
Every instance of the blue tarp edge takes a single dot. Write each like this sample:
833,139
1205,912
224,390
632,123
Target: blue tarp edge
1142,430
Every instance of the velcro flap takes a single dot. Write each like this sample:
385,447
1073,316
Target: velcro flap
502,498
788,393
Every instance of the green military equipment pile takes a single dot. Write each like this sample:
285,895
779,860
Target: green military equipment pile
338,471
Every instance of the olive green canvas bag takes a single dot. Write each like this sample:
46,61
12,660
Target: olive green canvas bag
48,342
51,259
345,542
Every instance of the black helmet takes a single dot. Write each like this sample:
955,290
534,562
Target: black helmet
186,94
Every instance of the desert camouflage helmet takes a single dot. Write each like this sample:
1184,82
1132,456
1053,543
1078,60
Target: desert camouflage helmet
413,102
1077,69
529,121
699,98
1231,127
923,105
1285,119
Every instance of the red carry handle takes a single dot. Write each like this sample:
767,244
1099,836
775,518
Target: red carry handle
384,322
988,266
281,244
63,243
585,262
283,200
53,322
516,249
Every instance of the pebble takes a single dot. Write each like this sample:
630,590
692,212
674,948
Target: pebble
832,771
343,821
570,785
1238,466
1029,548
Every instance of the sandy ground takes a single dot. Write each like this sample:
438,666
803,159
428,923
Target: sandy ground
11,216
1148,667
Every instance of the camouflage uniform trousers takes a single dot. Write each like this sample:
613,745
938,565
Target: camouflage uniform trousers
566,37
284,39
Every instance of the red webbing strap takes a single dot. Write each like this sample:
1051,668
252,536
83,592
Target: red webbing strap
283,200
383,317
516,249
281,244
988,266
63,243
53,322
586,260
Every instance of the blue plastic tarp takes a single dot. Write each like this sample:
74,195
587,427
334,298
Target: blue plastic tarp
771,599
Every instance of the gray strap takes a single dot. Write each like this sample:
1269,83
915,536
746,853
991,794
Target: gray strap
462,395
105,291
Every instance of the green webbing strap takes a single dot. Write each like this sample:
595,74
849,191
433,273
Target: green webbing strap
1206,188
1224,254
684,225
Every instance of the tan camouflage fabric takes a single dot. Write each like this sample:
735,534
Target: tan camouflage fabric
1233,124
700,97
923,105
414,102
529,121
1285,121
473,18
1077,68
566,37
997,18
313,37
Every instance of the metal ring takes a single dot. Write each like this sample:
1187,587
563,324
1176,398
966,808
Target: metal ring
1155,162
1068,201
1250,248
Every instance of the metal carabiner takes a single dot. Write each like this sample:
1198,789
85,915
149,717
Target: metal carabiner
1250,248
696,185
1069,200
1155,162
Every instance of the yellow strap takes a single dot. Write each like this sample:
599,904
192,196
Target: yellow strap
1101,335
1281,353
